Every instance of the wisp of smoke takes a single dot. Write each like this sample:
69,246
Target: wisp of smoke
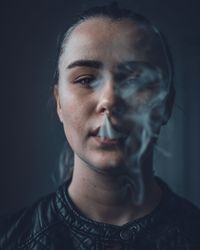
143,91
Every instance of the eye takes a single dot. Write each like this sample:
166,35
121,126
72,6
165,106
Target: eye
85,81
129,82
152,87
126,76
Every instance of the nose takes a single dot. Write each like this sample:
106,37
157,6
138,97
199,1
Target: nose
108,99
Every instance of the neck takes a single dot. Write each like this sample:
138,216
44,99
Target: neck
108,199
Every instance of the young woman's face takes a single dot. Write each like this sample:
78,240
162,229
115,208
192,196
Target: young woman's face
99,62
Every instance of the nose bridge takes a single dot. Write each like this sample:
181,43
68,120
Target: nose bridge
108,91
107,95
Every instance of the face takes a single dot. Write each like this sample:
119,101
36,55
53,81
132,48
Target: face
101,58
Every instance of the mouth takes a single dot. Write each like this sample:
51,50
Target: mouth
111,134
108,131
114,136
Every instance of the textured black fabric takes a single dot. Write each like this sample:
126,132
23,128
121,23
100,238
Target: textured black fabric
55,223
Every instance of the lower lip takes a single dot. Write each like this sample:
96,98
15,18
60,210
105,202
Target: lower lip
107,141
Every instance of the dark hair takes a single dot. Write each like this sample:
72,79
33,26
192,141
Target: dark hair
115,13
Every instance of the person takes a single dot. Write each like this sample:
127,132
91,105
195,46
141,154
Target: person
114,92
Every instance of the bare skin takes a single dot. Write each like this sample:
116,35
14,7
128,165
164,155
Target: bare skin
98,188
108,199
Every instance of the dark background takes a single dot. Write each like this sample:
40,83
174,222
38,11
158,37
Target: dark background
31,137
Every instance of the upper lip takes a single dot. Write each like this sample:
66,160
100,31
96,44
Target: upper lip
117,128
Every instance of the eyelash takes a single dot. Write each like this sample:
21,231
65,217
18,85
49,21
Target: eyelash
85,81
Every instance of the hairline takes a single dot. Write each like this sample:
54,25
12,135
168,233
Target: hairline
143,24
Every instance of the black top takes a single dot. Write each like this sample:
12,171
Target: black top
55,223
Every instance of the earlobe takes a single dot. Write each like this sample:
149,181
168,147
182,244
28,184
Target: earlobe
58,105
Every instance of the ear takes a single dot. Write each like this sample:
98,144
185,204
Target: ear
169,102
58,105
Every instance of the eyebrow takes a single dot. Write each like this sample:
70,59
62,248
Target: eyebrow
99,65
85,63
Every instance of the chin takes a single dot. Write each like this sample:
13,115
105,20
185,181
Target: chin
108,171
111,166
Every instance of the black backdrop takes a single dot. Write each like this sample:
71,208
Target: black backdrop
31,137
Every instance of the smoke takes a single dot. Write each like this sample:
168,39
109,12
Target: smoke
146,103
142,90
107,131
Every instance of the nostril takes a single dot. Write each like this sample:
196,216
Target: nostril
104,106
104,110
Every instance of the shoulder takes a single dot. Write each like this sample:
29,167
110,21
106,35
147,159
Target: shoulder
182,209
31,223
188,217
184,218
177,205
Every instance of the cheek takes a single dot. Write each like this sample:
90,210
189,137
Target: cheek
76,113
72,118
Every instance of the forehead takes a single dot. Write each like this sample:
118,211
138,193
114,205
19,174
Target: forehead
106,26
107,40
